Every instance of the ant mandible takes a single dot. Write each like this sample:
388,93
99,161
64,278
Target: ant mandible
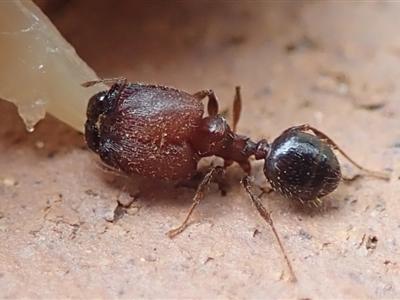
158,131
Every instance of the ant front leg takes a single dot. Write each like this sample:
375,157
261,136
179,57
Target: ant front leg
212,105
196,200
330,142
246,181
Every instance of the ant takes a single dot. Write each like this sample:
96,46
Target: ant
158,131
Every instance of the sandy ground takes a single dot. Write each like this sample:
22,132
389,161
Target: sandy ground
334,65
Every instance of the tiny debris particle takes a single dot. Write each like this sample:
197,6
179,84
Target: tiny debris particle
90,192
380,207
256,232
150,258
305,234
303,44
371,243
186,254
39,144
208,259
371,105
350,199
9,182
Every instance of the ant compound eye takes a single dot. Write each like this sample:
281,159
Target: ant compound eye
102,103
95,106
301,166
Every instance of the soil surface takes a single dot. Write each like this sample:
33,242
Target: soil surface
68,230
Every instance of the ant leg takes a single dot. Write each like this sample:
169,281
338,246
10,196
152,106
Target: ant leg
246,181
237,108
121,80
212,105
196,200
330,142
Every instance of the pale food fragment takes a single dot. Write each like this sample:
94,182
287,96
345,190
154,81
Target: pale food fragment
39,70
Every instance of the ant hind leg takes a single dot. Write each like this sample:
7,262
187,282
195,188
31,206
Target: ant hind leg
246,181
330,142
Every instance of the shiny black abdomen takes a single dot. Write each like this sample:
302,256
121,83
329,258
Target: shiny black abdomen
301,166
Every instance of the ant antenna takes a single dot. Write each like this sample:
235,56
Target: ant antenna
120,80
